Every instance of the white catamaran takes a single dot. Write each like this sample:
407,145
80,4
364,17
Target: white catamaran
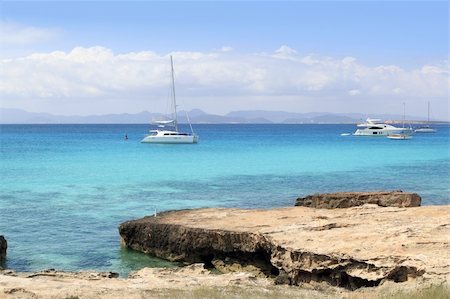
167,131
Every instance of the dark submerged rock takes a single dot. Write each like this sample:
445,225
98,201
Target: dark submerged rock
3,247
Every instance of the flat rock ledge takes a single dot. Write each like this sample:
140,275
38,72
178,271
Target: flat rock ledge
352,199
357,247
145,283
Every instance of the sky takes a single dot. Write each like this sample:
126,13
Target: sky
321,56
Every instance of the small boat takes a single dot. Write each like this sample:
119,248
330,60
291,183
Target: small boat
426,128
399,136
404,133
167,130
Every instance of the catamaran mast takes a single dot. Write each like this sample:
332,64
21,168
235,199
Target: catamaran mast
173,94
403,120
428,122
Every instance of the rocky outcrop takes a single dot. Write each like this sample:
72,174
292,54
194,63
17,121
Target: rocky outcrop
3,247
353,199
350,248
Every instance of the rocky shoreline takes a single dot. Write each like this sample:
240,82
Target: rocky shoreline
339,245
361,246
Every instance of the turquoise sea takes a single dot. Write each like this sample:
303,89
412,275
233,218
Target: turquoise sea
66,188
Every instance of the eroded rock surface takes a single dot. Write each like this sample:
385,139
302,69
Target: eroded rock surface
350,248
352,199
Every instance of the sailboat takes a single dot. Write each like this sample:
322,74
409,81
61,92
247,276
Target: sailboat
167,130
405,133
426,128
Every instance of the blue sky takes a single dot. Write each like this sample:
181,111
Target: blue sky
401,32
406,34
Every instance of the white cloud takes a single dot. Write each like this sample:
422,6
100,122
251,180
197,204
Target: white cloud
97,74
285,50
17,34
354,92
226,49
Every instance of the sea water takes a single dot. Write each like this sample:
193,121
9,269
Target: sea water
66,188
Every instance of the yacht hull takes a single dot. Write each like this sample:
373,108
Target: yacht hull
381,132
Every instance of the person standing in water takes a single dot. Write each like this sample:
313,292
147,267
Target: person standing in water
126,137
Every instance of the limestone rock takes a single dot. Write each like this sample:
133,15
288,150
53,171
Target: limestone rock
353,199
350,248
3,247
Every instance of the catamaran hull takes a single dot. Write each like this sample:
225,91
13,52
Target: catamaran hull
170,139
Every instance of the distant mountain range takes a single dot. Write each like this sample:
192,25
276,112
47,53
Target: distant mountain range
196,116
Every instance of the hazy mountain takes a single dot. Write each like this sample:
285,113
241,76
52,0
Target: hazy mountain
21,116
273,116
18,116
333,118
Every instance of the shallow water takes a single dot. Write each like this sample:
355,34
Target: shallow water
66,188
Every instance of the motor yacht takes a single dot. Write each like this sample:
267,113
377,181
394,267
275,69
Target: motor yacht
374,127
